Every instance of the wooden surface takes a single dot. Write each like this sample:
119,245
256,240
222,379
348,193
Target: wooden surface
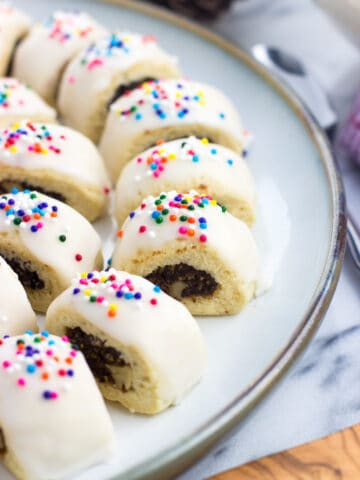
336,457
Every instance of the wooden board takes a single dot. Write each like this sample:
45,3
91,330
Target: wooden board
332,458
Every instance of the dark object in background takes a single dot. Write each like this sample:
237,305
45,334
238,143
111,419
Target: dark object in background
199,9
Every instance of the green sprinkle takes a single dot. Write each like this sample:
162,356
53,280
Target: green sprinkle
165,211
158,202
191,207
223,208
62,238
183,218
33,195
92,298
159,220
17,221
163,196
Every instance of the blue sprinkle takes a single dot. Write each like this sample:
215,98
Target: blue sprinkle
45,333
213,151
138,116
31,368
29,332
70,373
128,295
222,115
11,201
155,214
203,226
157,289
202,220
195,158
34,228
230,162
51,342
15,191
47,394
137,296
119,293
76,291
153,166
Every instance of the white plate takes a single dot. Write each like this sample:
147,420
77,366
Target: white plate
300,197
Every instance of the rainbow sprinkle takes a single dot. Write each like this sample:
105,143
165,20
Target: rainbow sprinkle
166,97
64,26
9,87
192,150
41,356
117,44
107,289
26,137
186,211
27,210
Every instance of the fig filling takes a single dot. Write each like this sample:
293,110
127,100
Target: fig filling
6,185
182,280
128,87
2,443
28,277
104,361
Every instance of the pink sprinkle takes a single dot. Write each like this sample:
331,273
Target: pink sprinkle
40,225
49,353
114,286
65,339
73,353
153,301
83,281
203,238
6,364
21,382
139,160
54,395
100,299
71,79
156,174
182,230
97,62
142,229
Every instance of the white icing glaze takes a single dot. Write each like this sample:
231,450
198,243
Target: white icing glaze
187,161
48,48
36,146
44,243
164,104
56,436
18,102
118,58
16,314
155,324
13,25
228,236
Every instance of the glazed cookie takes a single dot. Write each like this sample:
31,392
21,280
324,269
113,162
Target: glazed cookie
14,24
144,348
16,314
42,57
56,161
168,109
104,72
193,249
53,420
46,242
186,164
18,102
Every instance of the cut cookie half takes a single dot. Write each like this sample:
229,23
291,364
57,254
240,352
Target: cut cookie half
19,102
46,243
16,314
167,110
42,57
193,249
14,25
56,161
105,71
144,348
53,420
188,164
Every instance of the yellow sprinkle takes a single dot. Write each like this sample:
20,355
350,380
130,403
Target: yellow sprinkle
213,202
178,95
172,156
87,292
103,279
13,149
113,306
205,141
161,151
201,102
44,150
84,275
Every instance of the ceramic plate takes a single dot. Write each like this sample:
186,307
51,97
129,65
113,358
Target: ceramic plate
300,232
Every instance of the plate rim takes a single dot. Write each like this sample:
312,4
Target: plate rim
175,459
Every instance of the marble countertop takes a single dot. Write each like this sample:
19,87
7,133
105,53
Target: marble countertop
320,394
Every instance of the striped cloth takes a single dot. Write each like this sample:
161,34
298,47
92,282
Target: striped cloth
350,134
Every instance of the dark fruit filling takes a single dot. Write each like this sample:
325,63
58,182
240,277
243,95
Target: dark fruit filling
122,89
190,281
29,278
7,185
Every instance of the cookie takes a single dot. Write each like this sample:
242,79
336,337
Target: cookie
42,57
144,348
46,243
183,165
105,71
167,110
56,161
53,420
18,102
16,314
193,249
14,24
